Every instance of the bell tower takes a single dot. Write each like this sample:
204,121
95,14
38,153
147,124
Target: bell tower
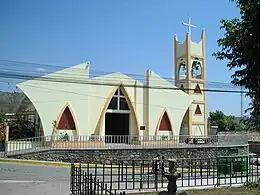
190,76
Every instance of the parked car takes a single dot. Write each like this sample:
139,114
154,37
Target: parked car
197,140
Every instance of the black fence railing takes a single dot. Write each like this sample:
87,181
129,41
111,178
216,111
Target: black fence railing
139,175
85,183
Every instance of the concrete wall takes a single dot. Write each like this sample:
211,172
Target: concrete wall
196,48
181,49
171,99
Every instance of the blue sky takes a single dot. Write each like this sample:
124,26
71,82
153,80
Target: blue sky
127,36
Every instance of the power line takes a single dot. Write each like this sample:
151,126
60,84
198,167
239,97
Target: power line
94,82
92,96
96,72
68,75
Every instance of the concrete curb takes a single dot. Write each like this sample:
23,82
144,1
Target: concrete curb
64,164
33,162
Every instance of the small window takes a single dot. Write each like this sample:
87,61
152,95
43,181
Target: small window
120,92
116,93
142,128
198,110
197,89
123,104
113,104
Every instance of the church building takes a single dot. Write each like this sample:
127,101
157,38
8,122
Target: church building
74,102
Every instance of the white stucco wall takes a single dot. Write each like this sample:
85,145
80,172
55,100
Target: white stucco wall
49,97
198,129
174,101
180,49
196,48
85,98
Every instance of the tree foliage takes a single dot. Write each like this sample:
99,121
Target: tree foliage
224,122
21,129
240,46
2,117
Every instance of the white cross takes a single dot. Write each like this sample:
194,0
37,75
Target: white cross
189,25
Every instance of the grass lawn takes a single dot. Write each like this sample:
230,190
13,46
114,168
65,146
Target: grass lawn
226,191
216,191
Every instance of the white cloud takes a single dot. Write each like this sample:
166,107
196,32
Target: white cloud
40,69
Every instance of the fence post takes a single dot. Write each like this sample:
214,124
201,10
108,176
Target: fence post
231,171
85,182
248,167
105,188
156,175
91,184
122,171
80,175
133,173
141,176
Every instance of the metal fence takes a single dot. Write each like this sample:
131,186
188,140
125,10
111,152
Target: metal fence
83,183
140,175
121,142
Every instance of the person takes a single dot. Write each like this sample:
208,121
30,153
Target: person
66,137
2,140
155,163
162,164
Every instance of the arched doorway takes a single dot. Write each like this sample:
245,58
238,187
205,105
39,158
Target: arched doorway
66,124
118,119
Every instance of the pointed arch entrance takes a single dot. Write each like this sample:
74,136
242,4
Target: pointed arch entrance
120,119
66,120
66,123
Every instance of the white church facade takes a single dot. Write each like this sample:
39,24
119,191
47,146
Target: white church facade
71,101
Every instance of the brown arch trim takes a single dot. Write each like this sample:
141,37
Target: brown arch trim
129,102
159,121
73,116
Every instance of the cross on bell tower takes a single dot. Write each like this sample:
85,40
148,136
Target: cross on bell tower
189,25
190,76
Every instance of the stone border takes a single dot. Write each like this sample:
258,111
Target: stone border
115,156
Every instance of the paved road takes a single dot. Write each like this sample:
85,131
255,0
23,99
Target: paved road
18,179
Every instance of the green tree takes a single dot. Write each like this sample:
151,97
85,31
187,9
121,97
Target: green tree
2,117
21,129
240,46
224,122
